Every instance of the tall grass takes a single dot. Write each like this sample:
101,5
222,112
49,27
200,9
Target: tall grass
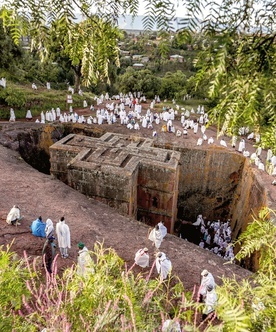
111,299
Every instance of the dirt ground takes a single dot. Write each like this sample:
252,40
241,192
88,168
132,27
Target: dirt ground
90,221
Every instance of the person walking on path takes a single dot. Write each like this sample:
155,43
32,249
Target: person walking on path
156,237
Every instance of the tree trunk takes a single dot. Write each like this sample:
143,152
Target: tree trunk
77,73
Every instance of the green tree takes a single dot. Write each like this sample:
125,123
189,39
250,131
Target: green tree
251,305
238,59
11,55
173,84
89,45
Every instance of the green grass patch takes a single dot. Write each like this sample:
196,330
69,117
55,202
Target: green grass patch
21,98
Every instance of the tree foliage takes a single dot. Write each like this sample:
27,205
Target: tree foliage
250,305
238,59
237,50
114,298
139,80
89,45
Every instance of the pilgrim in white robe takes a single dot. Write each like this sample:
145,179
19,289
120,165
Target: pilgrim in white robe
49,229
156,237
269,154
42,117
142,257
199,141
210,140
14,216
178,133
63,237
207,279
199,221
144,122
195,128
259,151
85,262
163,265
12,115
223,143
163,229
171,326
29,115
58,112
210,301
241,145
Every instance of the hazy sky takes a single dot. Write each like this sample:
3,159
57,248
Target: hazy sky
180,9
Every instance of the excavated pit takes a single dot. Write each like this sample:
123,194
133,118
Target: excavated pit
213,182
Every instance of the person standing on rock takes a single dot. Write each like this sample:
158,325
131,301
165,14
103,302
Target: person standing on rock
142,257
206,280
49,229
163,265
63,236
156,237
163,229
210,302
85,262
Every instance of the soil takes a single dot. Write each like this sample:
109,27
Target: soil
91,221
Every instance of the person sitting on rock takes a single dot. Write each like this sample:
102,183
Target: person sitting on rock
14,216
38,227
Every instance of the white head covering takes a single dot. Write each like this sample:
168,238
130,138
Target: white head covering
49,229
204,272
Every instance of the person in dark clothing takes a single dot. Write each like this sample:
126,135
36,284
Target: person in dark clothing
49,253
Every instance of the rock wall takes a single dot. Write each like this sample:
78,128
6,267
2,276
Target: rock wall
208,182
211,180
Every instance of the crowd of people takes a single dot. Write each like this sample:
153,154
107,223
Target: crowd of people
86,265
128,110
216,236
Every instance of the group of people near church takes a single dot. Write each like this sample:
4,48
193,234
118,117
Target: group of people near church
216,236
126,109
85,264
206,293
47,230
162,262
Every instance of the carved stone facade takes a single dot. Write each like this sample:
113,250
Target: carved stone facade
125,172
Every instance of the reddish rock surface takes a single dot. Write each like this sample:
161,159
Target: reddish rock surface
91,221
